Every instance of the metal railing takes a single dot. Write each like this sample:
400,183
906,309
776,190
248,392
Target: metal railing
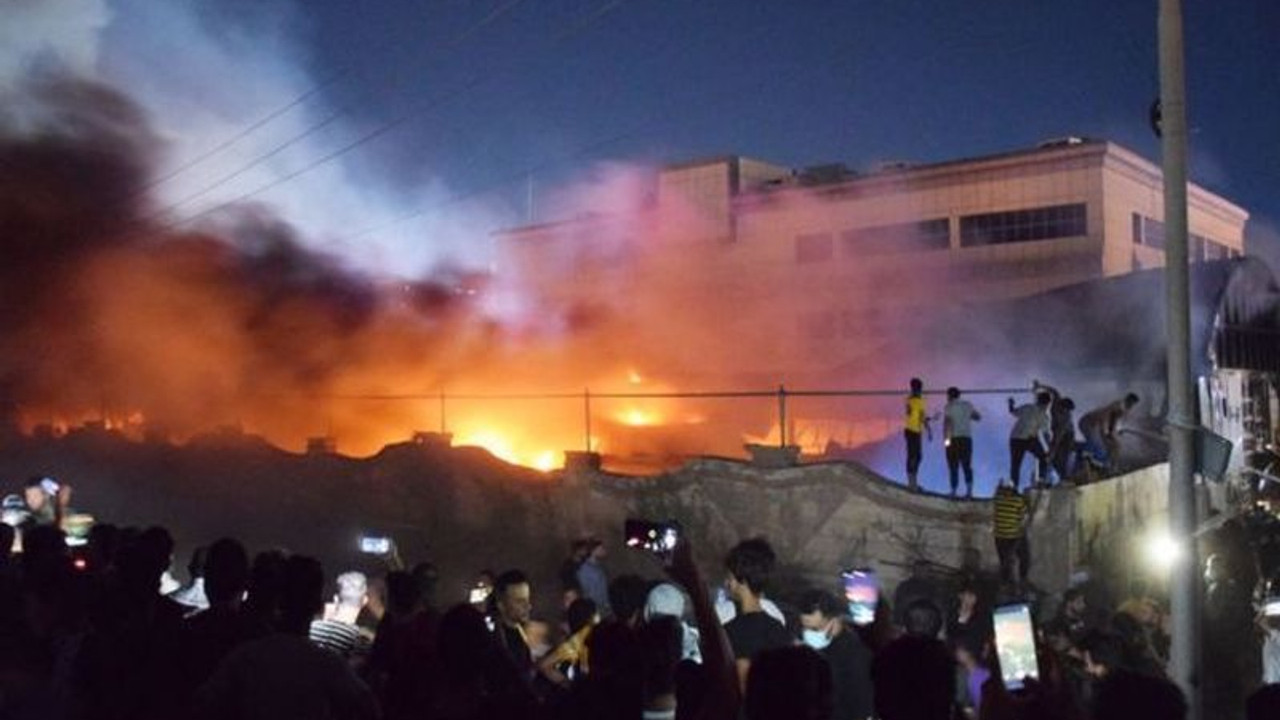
782,394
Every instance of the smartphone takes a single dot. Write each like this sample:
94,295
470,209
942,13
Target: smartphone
862,593
1016,644
479,594
1271,607
375,545
659,538
50,486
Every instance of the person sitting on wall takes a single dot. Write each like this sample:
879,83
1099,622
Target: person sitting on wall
1099,427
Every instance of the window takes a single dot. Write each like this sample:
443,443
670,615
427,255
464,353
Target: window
899,237
1043,223
813,248
1150,233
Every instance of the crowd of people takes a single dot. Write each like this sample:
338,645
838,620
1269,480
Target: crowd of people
1044,428
86,632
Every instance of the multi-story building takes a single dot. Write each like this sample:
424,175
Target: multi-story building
826,263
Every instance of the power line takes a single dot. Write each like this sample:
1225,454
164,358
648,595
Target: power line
398,121
261,122
302,98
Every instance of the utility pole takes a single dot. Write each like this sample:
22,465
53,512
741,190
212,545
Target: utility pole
1185,583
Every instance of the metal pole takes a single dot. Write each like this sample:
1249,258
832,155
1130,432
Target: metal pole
782,416
586,415
1184,585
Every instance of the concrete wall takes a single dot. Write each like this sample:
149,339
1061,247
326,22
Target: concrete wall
822,518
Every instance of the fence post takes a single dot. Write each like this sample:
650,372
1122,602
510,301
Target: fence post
586,416
782,416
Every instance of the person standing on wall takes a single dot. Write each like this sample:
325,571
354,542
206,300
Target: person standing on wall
916,425
1031,421
957,436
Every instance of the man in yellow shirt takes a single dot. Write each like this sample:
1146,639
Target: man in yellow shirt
917,423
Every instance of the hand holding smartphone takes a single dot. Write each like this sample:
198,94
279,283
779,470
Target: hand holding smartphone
659,538
862,593
1016,644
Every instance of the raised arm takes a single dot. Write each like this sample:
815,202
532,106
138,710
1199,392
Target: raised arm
722,692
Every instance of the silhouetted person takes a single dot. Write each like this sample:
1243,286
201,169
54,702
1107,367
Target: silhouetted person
284,675
822,619
512,603
916,426
1011,515
1031,422
404,649
1100,426
209,636
591,577
915,675
1127,695
130,657
568,660
193,596
957,433
477,679
1062,443
1264,703
660,655
792,683
627,597
750,566
266,583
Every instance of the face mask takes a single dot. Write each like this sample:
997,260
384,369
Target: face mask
816,639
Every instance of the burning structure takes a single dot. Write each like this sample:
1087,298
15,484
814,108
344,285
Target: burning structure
730,275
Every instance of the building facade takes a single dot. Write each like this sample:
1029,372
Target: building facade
812,269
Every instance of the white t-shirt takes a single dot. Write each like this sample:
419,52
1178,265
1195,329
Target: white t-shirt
1031,421
959,418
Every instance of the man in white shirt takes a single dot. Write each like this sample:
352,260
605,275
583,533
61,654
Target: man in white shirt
957,434
1031,421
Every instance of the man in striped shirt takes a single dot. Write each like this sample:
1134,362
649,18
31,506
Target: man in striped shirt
1010,529
338,631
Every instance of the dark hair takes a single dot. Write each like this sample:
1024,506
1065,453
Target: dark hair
226,571
953,392
1264,703
195,567
426,576
1043,398
302,590
820,601
1104,648
627,596
786,683
751,563
580,614
506,580
660,642
6,539
1125,695
1072,594
1132,399
923,618
917,384
403,594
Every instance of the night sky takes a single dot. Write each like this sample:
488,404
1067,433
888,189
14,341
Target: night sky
437,113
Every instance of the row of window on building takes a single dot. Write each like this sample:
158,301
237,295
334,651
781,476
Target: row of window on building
997,228
1150,233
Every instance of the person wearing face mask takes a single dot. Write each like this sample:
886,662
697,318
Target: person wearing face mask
822,617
